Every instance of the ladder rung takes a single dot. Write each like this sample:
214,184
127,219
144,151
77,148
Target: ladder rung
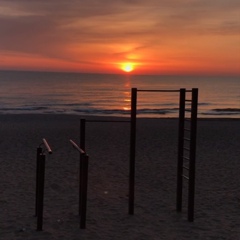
185,177
186,149
187,139
185,167
186,158
188,100
187,129
188,110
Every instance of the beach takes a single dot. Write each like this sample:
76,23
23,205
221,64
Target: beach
217,199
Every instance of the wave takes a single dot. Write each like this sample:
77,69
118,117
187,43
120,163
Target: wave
222,111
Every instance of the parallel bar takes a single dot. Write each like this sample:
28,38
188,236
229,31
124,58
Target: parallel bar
84,180
76,146
193,137
47,146
39,151
132,151
180,149
40,197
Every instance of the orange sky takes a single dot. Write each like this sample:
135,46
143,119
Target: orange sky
157,36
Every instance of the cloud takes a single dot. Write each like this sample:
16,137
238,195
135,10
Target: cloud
63,29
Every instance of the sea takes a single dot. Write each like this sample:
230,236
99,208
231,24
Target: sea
87,94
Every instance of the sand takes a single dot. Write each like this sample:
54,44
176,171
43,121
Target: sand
217,201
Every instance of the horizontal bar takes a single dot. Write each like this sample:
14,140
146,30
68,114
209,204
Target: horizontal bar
185,177
185,167
47,146
144,90
76,146
188,110
188,100
187,129
186,139
186,149
107,121
186,158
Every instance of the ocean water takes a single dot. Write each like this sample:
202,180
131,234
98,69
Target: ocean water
110,95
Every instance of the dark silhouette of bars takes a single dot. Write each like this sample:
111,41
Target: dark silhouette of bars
182,139
40,179
191,149
83,184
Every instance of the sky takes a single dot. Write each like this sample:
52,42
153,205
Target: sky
153,36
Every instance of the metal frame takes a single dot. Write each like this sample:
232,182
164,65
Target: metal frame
181,148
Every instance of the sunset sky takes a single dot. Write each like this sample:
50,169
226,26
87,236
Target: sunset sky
155,36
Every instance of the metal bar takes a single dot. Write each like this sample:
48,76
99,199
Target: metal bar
76,146
47,146
82,134
39,151
40,197
186,158
185,167
188,100
186,177
101,121
84,180
132,151
180,148
187,139
193,136
145,90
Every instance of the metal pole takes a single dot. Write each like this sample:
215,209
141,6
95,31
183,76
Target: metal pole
40,197
82,134
180,148
80,181
132,151
85,161
193,137
39,151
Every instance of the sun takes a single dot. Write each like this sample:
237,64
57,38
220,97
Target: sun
127,67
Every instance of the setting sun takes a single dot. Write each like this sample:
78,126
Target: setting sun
127,67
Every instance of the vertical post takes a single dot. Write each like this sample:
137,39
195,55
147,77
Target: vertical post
193,137
180,148
40,197
39,151
84,181
82,146
82,134
132,151
81,172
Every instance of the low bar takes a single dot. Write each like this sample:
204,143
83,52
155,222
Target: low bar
47,146
76,146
